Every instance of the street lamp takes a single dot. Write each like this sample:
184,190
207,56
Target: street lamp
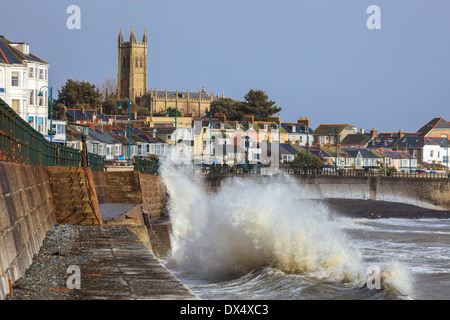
446,141
129,126
336,143
307,148
410,154
51,109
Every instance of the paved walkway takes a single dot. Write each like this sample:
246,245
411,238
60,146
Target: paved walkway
114,210
122,267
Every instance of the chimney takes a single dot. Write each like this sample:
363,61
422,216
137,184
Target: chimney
400,134
374,133
303,121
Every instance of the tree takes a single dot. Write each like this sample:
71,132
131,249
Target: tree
108,89
171,112
233,109
79,93
258,104
299,161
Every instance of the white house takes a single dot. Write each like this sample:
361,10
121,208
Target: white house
22,76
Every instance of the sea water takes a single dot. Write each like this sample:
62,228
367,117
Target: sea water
252,240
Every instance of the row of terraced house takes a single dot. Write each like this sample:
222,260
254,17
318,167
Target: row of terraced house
24,86
217,140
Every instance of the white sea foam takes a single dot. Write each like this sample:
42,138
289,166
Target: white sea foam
248,225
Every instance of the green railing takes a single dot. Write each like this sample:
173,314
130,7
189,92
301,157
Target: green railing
20,143
146,166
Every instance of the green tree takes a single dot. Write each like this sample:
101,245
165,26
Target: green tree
299,161
76,93
258,104
171,112
233,109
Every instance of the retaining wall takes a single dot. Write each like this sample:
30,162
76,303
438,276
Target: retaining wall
26,214
430,193
74,195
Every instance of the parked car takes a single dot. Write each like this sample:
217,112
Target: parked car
421,171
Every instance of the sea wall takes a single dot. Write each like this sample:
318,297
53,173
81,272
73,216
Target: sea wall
26,214
430,193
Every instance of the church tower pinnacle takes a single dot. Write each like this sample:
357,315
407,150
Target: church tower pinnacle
132,74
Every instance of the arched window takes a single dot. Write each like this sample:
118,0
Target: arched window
136,63
141,61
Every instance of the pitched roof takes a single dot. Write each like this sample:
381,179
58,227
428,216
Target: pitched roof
324,129
286,148
9,54
436,123
354,139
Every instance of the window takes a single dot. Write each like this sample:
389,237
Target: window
14,79
31,73
41,74
117,152
40,125
136,63
141,62
46,74
101,149
109,151
431,153
31,93
15,105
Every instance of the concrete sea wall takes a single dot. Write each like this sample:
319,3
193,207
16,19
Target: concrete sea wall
26,214
430,193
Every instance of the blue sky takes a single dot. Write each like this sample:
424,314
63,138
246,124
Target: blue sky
316,59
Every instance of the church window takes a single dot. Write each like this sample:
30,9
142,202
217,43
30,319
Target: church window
136,62
141,62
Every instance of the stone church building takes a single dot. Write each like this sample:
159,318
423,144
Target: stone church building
132,82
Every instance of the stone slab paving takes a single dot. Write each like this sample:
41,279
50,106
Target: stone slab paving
113,264
124,268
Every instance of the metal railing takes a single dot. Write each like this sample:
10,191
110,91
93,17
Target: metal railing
146,166
259,170
21,143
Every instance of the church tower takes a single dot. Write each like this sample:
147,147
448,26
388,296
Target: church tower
132,76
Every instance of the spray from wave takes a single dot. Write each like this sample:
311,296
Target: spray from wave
249,225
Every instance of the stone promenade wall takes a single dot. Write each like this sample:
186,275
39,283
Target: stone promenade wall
26,214
430,193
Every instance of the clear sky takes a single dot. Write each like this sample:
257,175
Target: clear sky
315,58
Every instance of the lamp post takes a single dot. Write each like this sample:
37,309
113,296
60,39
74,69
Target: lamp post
307,148
51,109
246,145
129,126
410,154
279,141
446,145
210,138
336,143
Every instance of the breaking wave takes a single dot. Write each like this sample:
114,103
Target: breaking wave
248,226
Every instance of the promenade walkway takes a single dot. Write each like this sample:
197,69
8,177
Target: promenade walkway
113,264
